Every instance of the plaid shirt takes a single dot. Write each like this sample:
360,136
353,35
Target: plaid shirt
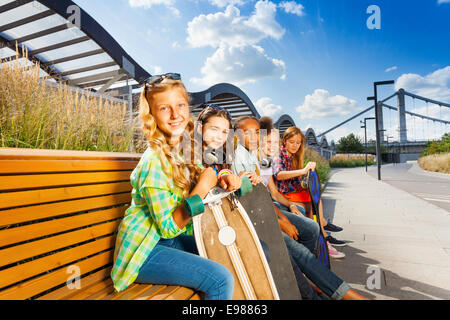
149,218
284,163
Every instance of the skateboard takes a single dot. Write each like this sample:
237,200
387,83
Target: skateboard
225,234
312,183
260,210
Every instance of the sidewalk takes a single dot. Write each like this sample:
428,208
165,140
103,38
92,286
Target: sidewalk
406,237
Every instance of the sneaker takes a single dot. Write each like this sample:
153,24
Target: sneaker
336,242
334,253
332,228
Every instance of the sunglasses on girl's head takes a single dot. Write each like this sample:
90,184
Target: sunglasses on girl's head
158,78
217,107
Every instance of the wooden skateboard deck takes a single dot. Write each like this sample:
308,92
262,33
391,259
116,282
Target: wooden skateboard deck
259,207
312,184
225,234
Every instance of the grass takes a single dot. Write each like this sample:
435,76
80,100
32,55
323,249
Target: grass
322,166
351,160
37,115
436,162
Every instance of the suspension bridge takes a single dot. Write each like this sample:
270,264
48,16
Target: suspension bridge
410,124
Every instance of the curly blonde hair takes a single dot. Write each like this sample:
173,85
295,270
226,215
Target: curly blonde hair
159,141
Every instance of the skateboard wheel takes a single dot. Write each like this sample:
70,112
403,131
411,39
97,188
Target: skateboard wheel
194,205
246,187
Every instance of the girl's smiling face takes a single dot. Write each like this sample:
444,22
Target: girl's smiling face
250,127
215,132
272,144
171,111
293,144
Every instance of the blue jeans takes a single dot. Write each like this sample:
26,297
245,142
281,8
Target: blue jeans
301,252
176,262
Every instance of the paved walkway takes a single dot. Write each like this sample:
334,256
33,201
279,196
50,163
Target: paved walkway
406,237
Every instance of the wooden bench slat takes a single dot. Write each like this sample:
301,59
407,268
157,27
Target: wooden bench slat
61,293
36,248
182,293
38,166
38,285
150,292
101,293
54,180
93,289
29,269
164,293
28,154
135,292
117,295
32,231
42,211
23,198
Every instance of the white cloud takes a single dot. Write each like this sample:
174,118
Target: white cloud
443,1
230,28
239,65
175,45
321,104
391,69
156,70
266,107
147,4
224,3
292,7
434,85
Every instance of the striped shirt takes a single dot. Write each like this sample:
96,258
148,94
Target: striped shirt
149,218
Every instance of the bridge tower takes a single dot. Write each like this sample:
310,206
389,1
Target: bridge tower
402,132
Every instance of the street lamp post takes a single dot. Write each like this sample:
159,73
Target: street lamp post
377,132
365,133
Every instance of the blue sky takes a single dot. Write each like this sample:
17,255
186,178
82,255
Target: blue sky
315,60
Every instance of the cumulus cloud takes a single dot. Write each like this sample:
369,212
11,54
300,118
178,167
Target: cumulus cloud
224,3
321,104
147,4
391,69
292,7
434,85
266,107
239,65
232,29
443,1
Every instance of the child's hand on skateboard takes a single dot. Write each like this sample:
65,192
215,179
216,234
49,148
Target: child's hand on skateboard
230,182
252,176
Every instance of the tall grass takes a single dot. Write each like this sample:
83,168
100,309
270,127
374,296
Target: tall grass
35,114
351,160
436,162
322,166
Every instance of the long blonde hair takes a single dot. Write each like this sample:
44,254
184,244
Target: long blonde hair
158,140
297,160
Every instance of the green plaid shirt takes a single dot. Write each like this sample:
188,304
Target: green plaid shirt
149,218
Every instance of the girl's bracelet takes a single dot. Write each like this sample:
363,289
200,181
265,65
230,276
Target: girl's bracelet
224,172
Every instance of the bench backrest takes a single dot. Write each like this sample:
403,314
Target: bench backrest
59,213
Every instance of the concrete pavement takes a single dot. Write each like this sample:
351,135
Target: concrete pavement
406,238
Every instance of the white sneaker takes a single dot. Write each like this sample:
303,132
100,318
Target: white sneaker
334,253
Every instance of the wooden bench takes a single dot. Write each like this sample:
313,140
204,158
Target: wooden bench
59,213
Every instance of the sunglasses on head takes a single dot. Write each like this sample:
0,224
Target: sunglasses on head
158,78
217,107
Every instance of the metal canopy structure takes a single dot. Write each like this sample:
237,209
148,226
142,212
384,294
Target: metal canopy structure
228,96
69,44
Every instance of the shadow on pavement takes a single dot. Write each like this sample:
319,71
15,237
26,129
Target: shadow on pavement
354,270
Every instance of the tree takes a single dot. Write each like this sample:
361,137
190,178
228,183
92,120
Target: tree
350,144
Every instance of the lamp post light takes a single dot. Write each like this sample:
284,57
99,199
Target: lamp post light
377,132
365,133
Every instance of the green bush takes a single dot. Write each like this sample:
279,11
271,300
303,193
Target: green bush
350,161
322,166
350,144
435,147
